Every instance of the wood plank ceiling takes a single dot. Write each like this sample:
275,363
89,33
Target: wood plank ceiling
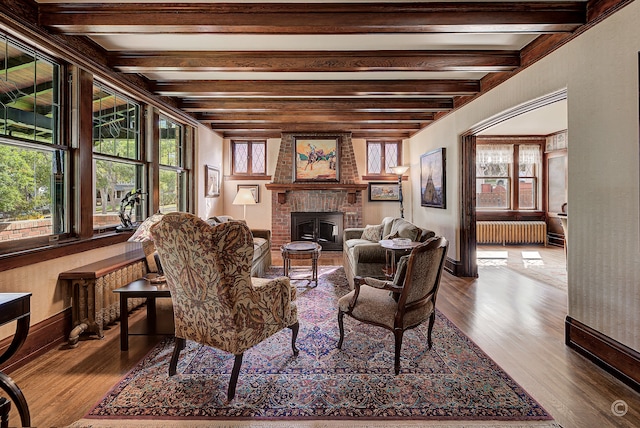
377,69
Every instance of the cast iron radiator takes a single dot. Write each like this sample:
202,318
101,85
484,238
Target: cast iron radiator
511,232
94,304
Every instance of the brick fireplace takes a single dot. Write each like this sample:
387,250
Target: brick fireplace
287,197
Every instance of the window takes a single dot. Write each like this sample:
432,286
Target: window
33,163
118,169
249,157
382,156
495,166
171,148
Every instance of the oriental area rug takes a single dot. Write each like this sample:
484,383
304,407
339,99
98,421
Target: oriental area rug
453,384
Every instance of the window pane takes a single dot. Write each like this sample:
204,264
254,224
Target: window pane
258,158
240,158
390,156
492,193
527,195
115,124
113,180
169,190
32,184
170,142
29,94
374,158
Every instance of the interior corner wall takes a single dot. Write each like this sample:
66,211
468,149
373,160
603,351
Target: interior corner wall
599,69
208,151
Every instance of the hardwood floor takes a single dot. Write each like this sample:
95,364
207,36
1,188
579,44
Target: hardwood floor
516,320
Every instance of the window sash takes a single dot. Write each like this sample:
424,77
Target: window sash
382,156
248,157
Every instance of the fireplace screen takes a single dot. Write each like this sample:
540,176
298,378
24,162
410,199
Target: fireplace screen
323,228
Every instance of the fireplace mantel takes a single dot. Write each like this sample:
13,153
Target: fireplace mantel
283,188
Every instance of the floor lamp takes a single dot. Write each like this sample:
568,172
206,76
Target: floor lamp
399,171
244,197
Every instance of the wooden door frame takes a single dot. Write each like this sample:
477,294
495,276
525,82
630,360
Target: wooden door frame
468,264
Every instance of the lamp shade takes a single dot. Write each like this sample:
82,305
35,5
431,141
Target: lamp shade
244,197
400,169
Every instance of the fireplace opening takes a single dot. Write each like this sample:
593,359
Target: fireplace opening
325,228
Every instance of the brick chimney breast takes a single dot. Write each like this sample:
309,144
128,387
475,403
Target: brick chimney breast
314,197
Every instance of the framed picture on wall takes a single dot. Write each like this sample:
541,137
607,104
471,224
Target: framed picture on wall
255,189
211,182
432,179
316,159
384,191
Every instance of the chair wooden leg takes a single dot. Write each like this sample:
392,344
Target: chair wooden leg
5,408
234,377
432,320
341,327
398,336
294,336
179,346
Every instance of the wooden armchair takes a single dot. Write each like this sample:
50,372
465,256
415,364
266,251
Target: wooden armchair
216,302
403,303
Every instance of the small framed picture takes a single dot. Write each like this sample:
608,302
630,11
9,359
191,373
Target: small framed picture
211,182
255,189
384,191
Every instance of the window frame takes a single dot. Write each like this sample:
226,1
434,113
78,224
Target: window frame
383,162
59,88
514,180
179,168
141,166
249,175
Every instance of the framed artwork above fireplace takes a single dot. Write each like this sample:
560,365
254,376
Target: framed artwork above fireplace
316,159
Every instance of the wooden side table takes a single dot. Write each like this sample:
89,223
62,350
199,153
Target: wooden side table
392,250
15,307
139,288
302,250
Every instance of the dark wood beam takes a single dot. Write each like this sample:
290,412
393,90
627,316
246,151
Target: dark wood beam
314,104
310,88
317,61
320,117
355,126
313,18
391,134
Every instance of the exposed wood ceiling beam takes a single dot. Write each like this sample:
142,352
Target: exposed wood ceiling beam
313,18
341,104
317,61
308,88
329,116
358,126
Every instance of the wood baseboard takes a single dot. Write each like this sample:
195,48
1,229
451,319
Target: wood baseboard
42,337
453,267
616,358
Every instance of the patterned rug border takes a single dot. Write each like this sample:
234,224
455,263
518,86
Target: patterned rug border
546,420
158,423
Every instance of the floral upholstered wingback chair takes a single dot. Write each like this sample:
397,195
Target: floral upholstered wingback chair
216,302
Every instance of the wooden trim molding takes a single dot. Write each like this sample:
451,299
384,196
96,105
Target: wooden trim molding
616,358
454,267
42,337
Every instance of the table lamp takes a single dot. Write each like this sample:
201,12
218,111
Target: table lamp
399,170
244,197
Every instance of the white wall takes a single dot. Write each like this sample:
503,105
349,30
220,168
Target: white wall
600,71
208,151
